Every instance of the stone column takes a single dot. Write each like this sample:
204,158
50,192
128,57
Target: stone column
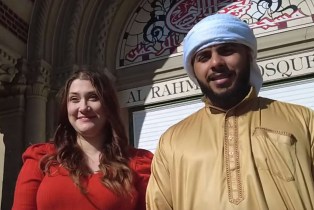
36,102
12,103
52,114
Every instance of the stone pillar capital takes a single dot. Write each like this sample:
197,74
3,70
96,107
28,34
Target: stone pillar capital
38,78
12,78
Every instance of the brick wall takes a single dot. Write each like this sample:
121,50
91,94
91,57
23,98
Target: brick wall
13,23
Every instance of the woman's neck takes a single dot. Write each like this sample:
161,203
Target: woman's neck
90,144
92,150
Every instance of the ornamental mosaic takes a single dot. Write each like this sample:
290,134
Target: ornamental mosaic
158,27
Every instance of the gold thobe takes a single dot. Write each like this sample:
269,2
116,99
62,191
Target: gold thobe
257,155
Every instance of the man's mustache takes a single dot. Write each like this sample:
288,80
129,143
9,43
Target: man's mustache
219,75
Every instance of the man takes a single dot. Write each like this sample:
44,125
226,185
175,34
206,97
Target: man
240,151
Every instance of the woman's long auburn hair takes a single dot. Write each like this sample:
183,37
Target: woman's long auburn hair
117,176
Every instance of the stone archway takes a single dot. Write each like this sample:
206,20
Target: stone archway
62,35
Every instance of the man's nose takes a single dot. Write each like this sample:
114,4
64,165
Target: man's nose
216,61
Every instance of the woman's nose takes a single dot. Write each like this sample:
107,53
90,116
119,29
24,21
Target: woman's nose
83,107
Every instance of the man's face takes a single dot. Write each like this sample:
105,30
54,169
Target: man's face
223,73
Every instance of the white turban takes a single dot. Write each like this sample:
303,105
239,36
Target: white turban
217,29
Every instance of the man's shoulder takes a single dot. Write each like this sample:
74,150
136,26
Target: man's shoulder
198,113
180,133
270,101
287,108
186,123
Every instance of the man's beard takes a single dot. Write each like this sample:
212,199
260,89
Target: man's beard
232,96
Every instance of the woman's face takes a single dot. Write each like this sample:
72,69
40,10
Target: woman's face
85,111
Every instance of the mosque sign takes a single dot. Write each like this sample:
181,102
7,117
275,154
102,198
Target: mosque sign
287,67
178,88
274,69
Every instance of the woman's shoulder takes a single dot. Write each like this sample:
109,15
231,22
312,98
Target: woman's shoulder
37,151
140,160
140,154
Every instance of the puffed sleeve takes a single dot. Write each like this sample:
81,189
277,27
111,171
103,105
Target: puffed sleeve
158,196
140,162
30,177
312,140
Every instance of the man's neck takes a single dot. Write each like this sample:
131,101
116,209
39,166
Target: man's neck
228,102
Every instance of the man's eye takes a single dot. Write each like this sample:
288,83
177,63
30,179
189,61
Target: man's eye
202,58
228,50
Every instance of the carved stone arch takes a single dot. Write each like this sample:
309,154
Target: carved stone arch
75,32
86,32
37,29
61,36
103,28
66,33
51,30
74,35
109,41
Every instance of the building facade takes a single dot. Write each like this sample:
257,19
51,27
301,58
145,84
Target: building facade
139,44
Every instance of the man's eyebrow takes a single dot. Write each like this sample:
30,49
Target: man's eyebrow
227,44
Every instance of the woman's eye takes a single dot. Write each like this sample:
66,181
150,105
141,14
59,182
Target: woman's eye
74,99
93,97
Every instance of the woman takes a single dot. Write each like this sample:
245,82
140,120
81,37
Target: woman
89,164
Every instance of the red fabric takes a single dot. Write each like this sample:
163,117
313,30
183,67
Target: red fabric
35,191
